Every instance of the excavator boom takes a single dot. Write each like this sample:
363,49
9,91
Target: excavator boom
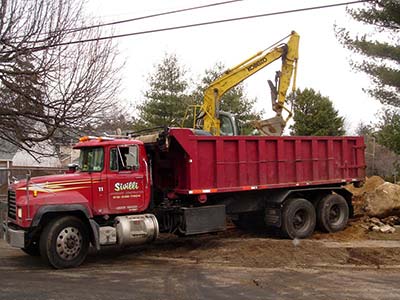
232,77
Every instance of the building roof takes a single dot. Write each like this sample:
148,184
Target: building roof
7,150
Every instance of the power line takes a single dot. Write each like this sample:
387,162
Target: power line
152,15
39,48
72,30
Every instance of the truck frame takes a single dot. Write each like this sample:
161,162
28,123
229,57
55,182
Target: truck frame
127,191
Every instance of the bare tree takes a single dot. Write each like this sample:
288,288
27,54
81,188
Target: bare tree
379,159
47,83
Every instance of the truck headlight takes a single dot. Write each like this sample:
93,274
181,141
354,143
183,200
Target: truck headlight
19,212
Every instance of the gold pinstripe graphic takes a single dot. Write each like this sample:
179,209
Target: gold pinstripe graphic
60,186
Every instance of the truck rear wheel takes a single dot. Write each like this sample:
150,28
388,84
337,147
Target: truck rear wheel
332,213
298,218
64,242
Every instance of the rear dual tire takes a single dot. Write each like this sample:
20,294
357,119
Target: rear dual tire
332,213
298,218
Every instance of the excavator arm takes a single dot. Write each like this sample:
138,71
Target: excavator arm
232,77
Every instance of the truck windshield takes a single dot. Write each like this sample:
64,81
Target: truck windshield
91,159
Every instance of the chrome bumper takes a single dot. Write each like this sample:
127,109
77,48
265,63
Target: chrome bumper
16,238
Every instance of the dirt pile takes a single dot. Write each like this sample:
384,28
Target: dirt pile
371,183
377,198
355,230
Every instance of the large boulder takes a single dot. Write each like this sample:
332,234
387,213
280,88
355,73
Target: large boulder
360,193
382,201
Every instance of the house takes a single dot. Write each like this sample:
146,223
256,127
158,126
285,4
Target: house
18,163
11,156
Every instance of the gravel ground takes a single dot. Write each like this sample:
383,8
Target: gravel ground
228,265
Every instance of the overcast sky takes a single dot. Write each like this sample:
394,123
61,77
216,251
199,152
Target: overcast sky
323,64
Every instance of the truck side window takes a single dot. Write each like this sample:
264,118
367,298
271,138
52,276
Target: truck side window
132,158
124,158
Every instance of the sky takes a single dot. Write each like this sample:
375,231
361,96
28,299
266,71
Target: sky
323,62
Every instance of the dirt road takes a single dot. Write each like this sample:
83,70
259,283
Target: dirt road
231,265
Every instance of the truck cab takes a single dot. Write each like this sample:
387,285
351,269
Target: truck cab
119,175
59,216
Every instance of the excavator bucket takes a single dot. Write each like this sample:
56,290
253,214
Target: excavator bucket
271,127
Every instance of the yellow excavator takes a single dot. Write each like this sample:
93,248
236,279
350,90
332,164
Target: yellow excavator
217,122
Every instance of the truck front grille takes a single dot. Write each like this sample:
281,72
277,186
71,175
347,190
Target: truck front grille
12,207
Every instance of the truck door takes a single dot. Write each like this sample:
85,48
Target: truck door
126,180
91,162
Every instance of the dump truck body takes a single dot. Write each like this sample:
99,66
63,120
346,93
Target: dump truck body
198,164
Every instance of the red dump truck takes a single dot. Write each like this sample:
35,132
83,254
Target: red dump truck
126,191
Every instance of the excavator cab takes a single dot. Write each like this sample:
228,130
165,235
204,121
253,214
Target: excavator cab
228,124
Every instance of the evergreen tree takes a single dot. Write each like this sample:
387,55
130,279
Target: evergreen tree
381,50
315,115
388,133
166,100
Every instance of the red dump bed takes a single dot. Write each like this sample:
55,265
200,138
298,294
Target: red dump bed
208,164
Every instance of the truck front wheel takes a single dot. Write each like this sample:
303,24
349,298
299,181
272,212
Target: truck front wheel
332,213
64,242
298,218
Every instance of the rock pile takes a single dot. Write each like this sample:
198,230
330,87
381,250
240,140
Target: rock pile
386,225
378,203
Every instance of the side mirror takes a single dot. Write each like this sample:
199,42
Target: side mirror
72,168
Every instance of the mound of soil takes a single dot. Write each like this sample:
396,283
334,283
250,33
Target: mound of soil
355,230
371,183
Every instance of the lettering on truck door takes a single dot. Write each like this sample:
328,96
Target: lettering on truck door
125,180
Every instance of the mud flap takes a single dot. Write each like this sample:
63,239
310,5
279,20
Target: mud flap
273,216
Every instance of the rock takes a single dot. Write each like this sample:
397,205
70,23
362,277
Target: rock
376,222
392,220
387,229
359,194
383,201
376,228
